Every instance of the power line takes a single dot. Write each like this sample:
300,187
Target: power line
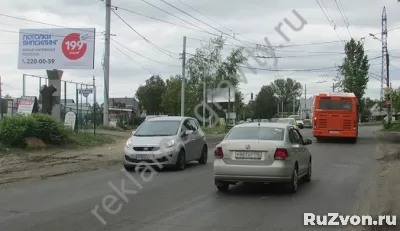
43,23
133,60
144,38
294,70
164,21
143,56
215,21
344,19
330,22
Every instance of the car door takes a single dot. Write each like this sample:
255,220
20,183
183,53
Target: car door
197,146
188,141
303,154
294,144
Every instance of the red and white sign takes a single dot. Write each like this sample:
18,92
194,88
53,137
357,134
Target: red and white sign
25,105
56,48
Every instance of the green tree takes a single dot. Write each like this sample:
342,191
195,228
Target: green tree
150,95
287,92
207,64
396,100
265,103
354,69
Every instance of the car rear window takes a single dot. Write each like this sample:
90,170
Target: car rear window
255,133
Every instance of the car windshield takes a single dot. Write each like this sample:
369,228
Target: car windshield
285,121
255,133
158,128
296,117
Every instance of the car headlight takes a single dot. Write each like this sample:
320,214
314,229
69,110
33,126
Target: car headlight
169,143
128,143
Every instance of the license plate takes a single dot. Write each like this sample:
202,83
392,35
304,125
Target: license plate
334,132
144,157
248,155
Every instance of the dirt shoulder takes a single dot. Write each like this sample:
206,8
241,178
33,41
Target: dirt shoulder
36,165
379,194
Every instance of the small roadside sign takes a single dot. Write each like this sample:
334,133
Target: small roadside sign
388,90
85,92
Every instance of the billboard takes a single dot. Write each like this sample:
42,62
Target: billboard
56,48
220,95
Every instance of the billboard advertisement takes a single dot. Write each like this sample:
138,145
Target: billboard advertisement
56,48
221,95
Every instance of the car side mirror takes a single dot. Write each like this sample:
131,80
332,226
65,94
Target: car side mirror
133,132
307,142
188,132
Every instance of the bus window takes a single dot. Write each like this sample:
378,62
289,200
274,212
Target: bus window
326,104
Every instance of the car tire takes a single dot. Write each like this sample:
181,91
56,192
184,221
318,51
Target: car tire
181,161
129,168
309,172
204,155
222,186
293,185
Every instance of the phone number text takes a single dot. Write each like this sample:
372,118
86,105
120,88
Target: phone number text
40,61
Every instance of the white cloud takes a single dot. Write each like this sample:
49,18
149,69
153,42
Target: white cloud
252,20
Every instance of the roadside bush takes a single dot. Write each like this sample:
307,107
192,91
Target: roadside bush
49,129
15,130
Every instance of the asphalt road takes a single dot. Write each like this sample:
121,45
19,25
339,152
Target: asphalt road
188,201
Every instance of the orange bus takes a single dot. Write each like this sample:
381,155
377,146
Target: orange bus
335,116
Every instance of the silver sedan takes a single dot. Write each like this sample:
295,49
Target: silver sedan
262,152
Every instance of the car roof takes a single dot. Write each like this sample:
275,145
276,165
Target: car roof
286,118
263,124
168,118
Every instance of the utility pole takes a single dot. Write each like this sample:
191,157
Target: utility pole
183,77
107,63
204,98
385,59
305,100
333,87
94,106
389,106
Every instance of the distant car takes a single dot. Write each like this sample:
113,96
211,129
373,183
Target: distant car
307,123
299,120
166,141
289,121
265,153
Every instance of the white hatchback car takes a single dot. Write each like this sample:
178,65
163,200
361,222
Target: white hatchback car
262,152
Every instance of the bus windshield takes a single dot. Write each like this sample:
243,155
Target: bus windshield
327,104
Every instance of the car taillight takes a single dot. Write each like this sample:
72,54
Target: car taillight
218,152
281,154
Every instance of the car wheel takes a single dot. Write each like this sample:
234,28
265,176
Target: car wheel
222,186
309,172
129,168
293,185
181,161
204,155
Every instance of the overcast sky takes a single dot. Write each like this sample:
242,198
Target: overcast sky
317,45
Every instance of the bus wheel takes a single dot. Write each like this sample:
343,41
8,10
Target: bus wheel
318,139
354,140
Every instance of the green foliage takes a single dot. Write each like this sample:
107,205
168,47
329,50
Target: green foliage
16,129
396,100
354,69
150,95
265,103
